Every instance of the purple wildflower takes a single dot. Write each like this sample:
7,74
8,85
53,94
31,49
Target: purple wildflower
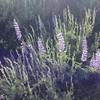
98,55
95,61
40,46
61,42
17,29
84,50
2,97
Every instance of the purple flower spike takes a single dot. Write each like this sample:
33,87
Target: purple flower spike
40,46
84,50
95,61
17,29
61,42
98,56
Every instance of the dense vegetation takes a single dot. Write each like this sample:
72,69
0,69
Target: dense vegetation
49,50
27,12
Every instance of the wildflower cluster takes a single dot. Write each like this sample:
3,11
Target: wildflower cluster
31,80
32,76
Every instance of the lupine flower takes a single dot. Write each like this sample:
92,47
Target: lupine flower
2,97
95,61
61,42
98,55
84,50
40,46
17,29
